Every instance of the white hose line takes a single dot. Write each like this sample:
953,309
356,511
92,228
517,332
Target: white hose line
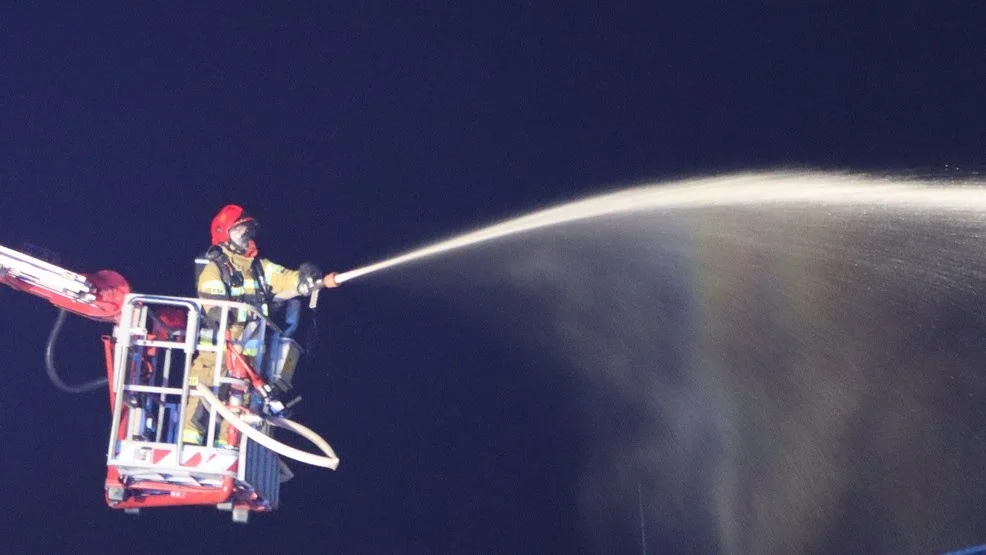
330,460
305,432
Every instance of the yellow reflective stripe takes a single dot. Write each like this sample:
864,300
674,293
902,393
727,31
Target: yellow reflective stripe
250,348
217,284
270,269
217,287
213,287
250,287
192,436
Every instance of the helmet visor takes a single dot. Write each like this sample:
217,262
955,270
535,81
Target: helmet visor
243,232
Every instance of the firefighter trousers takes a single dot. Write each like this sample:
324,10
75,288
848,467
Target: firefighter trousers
196,424
203,370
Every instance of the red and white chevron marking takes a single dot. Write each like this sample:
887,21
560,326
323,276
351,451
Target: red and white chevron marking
166,456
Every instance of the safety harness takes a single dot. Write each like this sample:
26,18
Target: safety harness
232,278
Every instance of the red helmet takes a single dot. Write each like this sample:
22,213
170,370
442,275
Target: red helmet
228,217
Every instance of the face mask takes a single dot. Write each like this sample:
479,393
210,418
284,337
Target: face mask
240,235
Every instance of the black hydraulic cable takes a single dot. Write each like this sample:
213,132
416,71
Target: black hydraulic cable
50,362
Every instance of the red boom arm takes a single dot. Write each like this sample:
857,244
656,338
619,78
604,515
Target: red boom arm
97,296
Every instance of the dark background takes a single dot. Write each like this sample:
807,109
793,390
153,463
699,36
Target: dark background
357,132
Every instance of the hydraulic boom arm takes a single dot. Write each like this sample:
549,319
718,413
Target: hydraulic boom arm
98,296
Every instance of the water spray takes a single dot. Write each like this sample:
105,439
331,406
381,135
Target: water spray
739,190
823,358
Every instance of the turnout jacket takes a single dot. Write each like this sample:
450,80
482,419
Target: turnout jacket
281,282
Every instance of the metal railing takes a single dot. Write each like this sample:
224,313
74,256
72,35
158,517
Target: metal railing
146,354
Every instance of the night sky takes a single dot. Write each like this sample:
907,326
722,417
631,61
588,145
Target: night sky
355,132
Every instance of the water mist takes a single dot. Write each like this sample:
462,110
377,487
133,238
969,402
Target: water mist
769,363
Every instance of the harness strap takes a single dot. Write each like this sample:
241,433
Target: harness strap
233,278
263,291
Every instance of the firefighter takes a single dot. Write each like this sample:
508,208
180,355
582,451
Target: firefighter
233,270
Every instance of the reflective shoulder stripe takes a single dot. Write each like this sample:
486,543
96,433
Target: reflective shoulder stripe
270,268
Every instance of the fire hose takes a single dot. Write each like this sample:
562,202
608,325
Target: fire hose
329,460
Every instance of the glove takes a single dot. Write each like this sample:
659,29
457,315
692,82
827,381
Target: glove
308,277
276,407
